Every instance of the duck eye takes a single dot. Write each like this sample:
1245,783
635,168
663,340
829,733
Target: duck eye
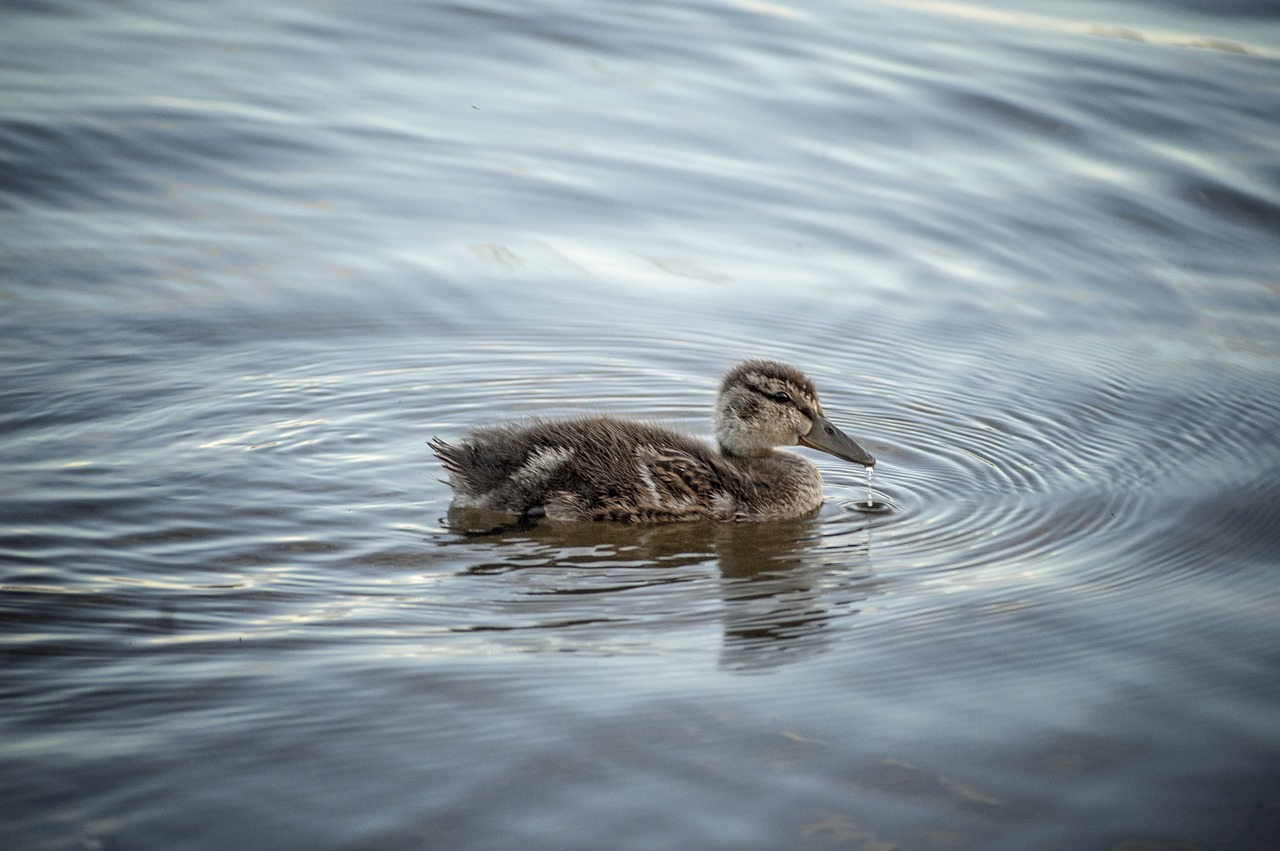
780,397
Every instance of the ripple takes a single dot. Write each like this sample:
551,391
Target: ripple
993,499
868,506
1048,466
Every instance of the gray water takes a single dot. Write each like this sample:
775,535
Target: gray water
253,256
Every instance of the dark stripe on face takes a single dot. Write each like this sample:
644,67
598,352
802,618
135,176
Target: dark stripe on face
794,392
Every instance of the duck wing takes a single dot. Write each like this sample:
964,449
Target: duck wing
682,483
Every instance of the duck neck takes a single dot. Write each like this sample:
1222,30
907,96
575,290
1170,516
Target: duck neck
739,454
776,484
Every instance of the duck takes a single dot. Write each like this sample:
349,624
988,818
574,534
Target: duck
606,468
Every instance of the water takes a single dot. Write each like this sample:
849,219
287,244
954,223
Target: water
253,257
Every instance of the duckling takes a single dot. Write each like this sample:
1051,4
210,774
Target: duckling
605,468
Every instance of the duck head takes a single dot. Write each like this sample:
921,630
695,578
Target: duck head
764,404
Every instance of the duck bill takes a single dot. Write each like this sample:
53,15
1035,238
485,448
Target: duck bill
828,438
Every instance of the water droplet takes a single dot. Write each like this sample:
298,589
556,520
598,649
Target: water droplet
869,499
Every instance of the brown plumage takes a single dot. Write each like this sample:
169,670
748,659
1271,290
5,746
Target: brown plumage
604,468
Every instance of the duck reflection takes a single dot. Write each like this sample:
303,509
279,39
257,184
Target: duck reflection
782,584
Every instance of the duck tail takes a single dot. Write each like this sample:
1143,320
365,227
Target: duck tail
450,456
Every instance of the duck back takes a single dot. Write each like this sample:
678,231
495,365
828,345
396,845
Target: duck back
590,468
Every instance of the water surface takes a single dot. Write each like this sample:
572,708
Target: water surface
254,257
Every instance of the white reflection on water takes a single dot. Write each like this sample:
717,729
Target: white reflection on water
1100,29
